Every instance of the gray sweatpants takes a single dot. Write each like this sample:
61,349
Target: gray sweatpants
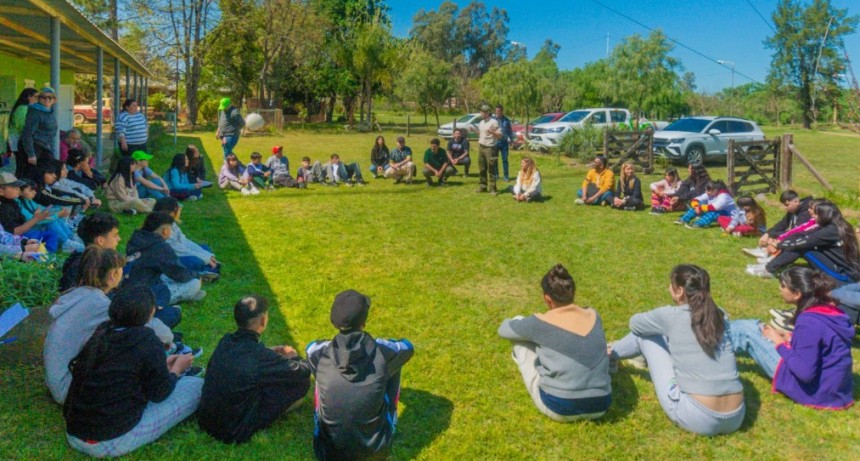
682,409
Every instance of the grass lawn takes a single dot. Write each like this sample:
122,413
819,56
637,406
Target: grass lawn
443,267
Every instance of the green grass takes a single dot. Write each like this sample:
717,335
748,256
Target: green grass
444,267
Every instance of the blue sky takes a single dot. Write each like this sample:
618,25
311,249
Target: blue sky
729,30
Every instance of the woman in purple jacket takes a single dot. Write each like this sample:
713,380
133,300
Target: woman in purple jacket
812,365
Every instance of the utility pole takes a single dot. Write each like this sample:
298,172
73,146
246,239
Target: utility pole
607,44
732,90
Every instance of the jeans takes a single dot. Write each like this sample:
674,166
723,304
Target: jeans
46,236
180,292
228,143
157,419
145,192
503,151
345,172
682,409
746,337
373,168
605,198
849,300
465,162
526,358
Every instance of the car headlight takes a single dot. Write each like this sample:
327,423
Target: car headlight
676,141
555,130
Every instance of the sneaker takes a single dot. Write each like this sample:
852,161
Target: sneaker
398,180
360,183
408,182
443,183
255,191
691,226
348,184
429,183
656,210
192,198
209,276
758,271
185,349
507,179
783,314
246,192
270,188
764,260
198,296
782,325
130,211
194,370
756,252
579,201
679,222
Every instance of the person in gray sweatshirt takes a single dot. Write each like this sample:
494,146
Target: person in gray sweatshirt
78,312
688,350
561,353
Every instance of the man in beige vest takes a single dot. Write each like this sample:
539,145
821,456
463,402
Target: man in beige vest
488,137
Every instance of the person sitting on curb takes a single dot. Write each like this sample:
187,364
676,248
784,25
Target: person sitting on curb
598,184
436,164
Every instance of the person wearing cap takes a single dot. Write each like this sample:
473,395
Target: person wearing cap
148,184
400,161
597,187
230,124
458,151
488,139
279,165
436,164
357,384
131,127
248,385
12,219
36,141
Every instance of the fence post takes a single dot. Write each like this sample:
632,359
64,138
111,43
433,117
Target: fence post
785,173
730,167
408,119
606,143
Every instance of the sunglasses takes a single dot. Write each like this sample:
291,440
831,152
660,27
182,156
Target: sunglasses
46,97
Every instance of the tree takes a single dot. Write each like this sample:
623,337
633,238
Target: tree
373,59
806,48
550,84
425,80
231,48
514,85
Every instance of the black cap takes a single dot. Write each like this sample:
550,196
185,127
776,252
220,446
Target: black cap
349,310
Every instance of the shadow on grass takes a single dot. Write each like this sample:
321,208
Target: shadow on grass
425,416
33,423
752,399
625,397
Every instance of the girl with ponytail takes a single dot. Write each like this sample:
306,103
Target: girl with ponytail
689,356
812,365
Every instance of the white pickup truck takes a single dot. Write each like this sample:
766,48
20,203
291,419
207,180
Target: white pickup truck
547,135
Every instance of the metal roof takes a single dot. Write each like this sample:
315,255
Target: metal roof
25,31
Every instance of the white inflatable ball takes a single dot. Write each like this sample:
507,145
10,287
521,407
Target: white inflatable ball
254,122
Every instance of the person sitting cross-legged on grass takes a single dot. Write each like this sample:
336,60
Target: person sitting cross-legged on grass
260,175
436,164
76,314
528,187
154,263
797,213
125,392
561,354
177,180
811,366
337,172
597,187
121,192
308,174
628,193
279,165
705,209
691,187
662,192
149,184
400,161
197,258
233,176
748,219
379,157
248,386
357,385
688,351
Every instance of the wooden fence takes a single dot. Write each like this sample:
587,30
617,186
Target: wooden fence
635,146
765,166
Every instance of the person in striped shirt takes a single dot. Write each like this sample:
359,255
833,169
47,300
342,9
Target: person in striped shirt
131,128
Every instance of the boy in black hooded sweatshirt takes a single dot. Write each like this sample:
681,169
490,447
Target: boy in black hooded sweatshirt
357,385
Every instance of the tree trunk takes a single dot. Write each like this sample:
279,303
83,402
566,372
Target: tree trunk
332,100
436,113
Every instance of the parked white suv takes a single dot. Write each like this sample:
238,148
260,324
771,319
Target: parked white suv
547,135
705,138
468,123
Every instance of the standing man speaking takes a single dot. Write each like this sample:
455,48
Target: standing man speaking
230,124
488,139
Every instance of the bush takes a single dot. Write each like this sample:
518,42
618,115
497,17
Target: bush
161,103
31,284
582,143
208,110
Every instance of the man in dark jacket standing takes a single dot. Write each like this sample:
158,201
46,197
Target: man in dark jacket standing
248,385
230,124
357,385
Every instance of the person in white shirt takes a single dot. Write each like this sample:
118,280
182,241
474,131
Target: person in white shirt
528,187
488,138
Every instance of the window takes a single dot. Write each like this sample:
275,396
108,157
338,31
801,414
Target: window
689,125
740,127
722,125
618,116
599,117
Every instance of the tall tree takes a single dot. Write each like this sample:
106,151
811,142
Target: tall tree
231,48
551,86
514,85
806,48
424,80
373,59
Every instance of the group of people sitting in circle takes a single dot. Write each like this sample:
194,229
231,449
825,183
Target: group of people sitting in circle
689,349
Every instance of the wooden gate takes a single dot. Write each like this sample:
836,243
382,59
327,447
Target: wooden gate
636,146
754,166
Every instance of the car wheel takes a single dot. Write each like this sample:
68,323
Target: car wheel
79,119
695,154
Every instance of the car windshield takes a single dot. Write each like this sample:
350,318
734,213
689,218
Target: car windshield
542,119
575,116
689,125
466,118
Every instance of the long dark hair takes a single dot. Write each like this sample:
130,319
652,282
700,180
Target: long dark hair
813,286
827,212
706,319
377,148
123,168
23,100
127,103
96,265
179,162
193,162
699,174
45,167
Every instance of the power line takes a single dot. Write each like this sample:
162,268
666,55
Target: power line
713,60
761,16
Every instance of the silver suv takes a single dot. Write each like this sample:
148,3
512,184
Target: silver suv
705,138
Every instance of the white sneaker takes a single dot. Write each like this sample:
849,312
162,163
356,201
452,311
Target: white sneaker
758,271
756,252
246,192
255,191
198,296
192,198
579,201
764,260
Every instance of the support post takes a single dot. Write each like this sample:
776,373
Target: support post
100,58
785,179
134,93
55,78
127,82
116,104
